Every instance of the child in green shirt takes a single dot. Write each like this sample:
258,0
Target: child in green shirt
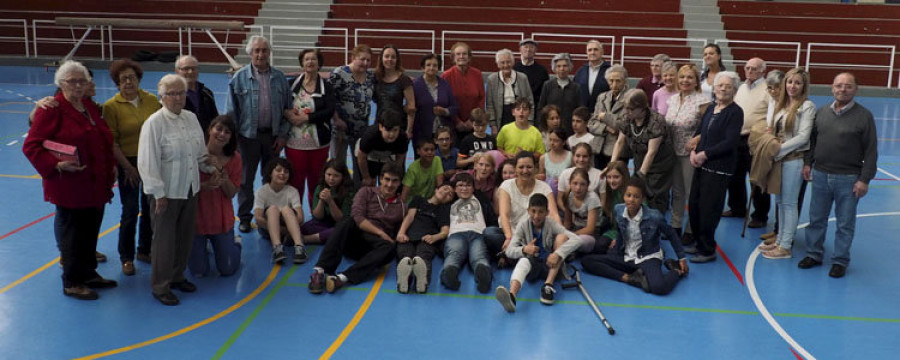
425,174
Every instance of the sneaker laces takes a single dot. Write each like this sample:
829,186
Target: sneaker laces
549,289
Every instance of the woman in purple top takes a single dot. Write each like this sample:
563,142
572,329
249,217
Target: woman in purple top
662,95
435,103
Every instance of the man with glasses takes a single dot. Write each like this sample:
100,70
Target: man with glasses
751,96
200,99
260,102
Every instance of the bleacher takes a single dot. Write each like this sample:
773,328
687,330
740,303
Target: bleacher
865,24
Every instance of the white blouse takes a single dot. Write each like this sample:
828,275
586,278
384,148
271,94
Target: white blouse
171,154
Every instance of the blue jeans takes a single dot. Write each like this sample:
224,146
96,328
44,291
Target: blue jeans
226,251
133,200
465,244
788,211
828,188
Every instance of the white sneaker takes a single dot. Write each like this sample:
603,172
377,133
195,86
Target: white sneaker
404,269
420,271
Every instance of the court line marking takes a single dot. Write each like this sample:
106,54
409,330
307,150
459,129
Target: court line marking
246,323
764,311
49,264
35,176
730,265
889,174
197,325
356,317
23,227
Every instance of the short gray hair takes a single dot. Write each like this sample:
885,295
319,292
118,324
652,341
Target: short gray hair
185,57
167,81
662,58
67,68
668,65
502,52
616,69
253,39
733,76
561,56
774,77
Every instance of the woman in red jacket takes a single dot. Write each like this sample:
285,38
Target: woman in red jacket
79,185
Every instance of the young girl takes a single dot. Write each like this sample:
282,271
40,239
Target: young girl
507,171
613,194
582,209
277,204
581,159
332,199
555,160
215,211
448,153
549,122
636,257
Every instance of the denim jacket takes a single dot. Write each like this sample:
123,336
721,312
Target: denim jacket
653,226
243,91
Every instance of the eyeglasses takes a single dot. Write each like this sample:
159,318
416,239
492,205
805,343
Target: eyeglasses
175,93
76,82
125,78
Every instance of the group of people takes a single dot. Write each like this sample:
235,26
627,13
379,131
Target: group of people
550,183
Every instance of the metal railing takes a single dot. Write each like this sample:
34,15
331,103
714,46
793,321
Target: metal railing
273,42
24,37
521,36
665,40
400,31
890,67
610,39
795,44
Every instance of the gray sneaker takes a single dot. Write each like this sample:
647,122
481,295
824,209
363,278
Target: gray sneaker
300,256
506,299
420,271
278,254
404,270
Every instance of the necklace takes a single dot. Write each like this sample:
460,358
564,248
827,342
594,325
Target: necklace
637,134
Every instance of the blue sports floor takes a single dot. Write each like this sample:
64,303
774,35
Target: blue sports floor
740,307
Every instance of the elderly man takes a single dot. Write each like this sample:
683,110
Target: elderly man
537,73
590,77
653,82
752,97
561,91
200,99
260,101
840,170
504,87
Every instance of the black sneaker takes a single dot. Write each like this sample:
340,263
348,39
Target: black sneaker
278,255
547,292
638,279
245,226
507,299
450,277
808,262
300,255
483,278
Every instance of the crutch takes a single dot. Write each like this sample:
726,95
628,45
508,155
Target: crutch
577,283
747,214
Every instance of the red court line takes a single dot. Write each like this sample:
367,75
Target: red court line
730,265
27,225
796,354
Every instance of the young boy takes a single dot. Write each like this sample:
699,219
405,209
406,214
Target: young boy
580,117
380,144
477,142
426,224
466,240
425,174
636,257
520,135
448,153
277,205
541,245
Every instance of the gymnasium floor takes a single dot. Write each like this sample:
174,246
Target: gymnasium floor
740,307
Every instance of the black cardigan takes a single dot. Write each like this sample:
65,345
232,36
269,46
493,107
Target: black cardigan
325,105
720,138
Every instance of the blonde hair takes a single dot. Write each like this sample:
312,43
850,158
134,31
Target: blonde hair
784,101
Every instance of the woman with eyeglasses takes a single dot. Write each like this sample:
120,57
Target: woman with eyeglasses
171,155
79,184
126,113
643,131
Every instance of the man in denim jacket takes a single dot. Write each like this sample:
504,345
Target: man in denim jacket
262,130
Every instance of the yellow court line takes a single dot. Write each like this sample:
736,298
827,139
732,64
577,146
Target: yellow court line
47,265
35,176
356,318
195,326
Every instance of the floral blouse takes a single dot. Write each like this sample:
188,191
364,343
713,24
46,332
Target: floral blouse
682,119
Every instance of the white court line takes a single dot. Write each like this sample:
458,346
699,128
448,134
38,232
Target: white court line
889,174
754,295
11,143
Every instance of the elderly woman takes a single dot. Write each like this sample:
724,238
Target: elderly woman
714,159
468,88
513,197
712,65
171,151
791,121
682,118
393,87
504,87
71,147
607,115
643,132
354,86
659,102
310,134
435,104
654,81
562,91
125,113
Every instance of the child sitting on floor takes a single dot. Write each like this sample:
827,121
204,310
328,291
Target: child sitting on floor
424,228
276,205
541,245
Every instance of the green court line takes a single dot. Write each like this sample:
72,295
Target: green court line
240,330
885,186
888,163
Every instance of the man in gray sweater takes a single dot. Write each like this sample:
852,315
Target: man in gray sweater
840,171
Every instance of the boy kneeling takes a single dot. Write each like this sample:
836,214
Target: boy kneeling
541,245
